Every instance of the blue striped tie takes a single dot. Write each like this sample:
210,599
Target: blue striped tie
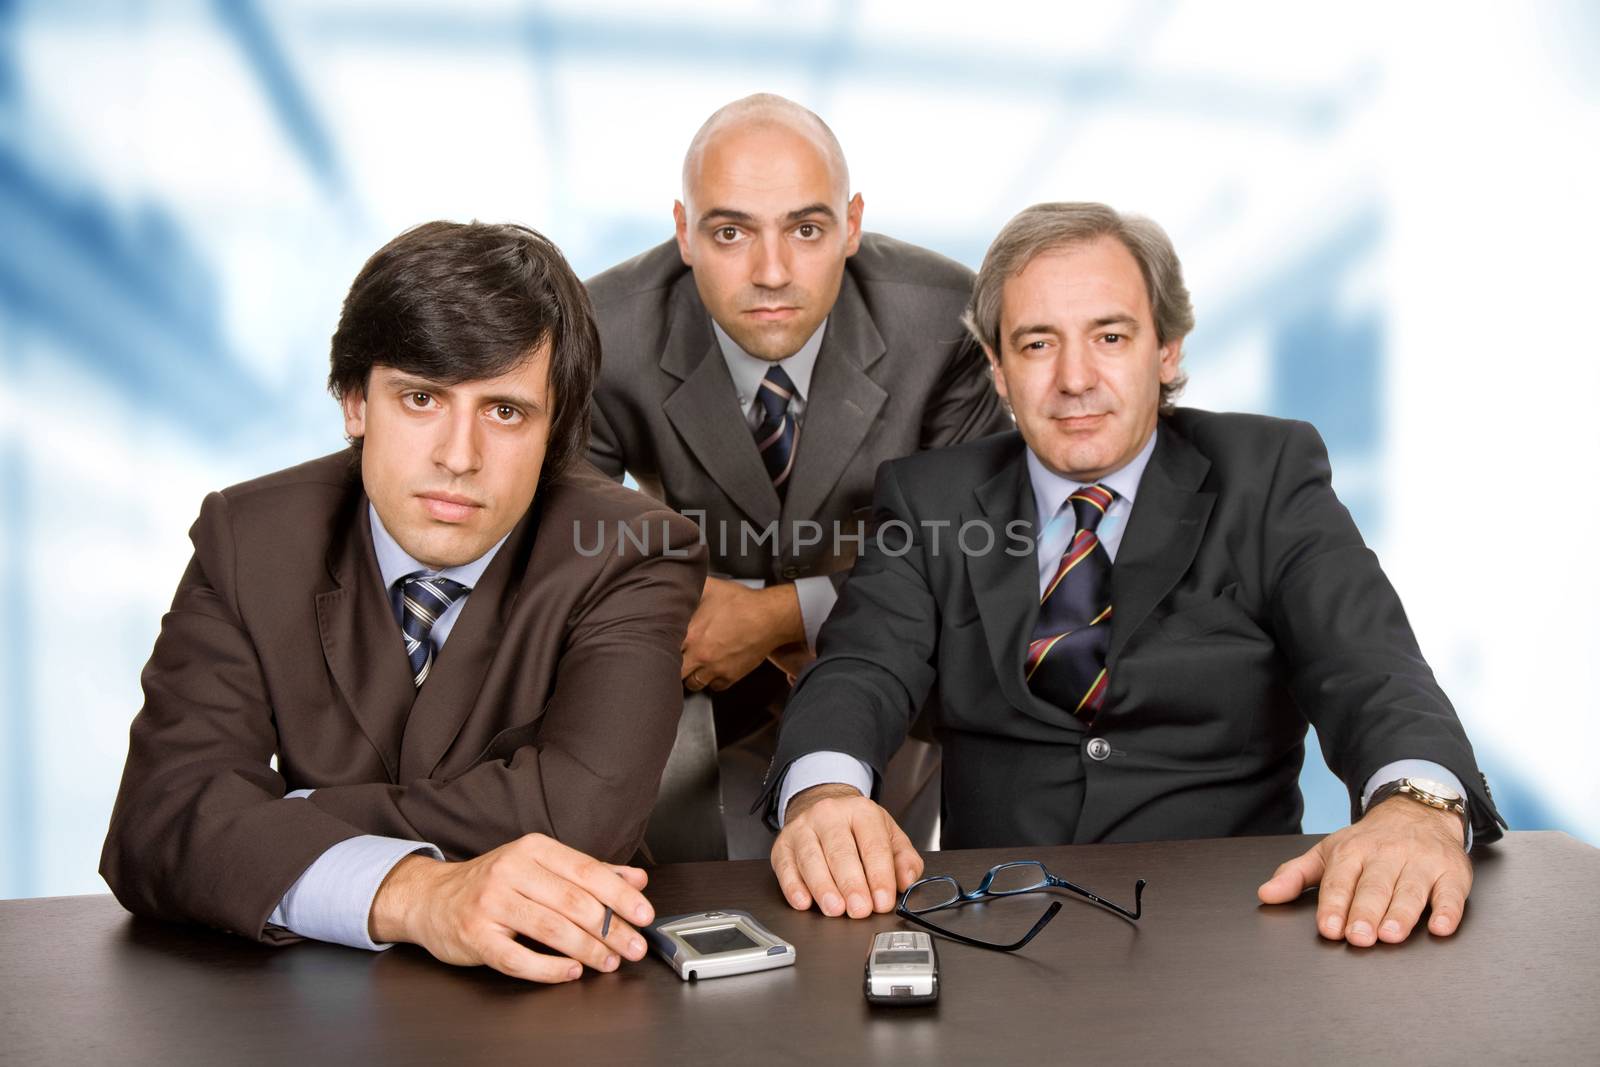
778,433
422,601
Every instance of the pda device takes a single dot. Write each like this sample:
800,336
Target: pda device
712,944
902,968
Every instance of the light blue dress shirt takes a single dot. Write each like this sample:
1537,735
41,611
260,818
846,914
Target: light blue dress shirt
1058,524
815,593
332,898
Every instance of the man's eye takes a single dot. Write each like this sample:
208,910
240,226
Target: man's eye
419,400
506,413
807,230
727,234
1112,338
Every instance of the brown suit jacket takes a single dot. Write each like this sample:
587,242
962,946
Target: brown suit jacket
551,708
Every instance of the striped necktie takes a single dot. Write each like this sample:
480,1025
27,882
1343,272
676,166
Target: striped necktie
777,434
1066,664
422,601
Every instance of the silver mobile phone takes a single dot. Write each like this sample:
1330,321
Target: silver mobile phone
902,968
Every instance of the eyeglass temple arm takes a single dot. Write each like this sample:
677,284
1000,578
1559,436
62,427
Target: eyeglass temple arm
1138,897
1044,920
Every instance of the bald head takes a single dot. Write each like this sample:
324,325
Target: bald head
779,119
766,222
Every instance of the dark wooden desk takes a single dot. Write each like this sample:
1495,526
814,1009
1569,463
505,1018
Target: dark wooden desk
1206,975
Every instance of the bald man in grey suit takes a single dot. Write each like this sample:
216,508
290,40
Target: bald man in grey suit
758,368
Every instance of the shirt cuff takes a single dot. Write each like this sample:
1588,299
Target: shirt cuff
1415,768
822,768
332,899
817,597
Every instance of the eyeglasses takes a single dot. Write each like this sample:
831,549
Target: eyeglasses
1003,880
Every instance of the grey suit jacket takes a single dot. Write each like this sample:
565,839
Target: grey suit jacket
896,374
1247,606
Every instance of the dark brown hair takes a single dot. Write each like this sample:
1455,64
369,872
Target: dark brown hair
455,302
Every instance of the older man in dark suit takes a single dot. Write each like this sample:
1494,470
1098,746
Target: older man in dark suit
758,369
1132,614
456,642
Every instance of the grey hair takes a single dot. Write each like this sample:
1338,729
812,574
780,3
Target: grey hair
1047,227
769,109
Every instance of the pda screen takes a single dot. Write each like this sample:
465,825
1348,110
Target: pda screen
722,939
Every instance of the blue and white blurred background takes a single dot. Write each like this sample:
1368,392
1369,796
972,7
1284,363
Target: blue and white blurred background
1387,213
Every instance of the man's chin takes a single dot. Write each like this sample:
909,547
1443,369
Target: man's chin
1078,464
770,344
439,549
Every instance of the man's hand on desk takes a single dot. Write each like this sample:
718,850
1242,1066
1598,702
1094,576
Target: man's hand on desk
843,851
470,913
734,629
1377,874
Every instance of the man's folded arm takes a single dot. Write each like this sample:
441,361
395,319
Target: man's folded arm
588,770
1358,671
201,829
875,654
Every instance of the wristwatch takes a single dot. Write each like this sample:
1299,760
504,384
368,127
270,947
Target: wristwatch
1427,791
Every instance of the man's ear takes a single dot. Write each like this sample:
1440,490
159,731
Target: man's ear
354,403
680,223
1171,355
852,222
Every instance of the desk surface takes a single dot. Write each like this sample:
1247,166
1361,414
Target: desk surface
1207,974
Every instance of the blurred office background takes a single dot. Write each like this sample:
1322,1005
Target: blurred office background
1386,213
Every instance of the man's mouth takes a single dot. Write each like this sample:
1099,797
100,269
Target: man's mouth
1079,422
772,314
448,507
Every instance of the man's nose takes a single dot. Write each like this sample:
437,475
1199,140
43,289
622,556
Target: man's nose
771,268
1075,370
458,450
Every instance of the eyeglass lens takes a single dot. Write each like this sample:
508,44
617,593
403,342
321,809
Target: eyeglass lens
1021,877
932,893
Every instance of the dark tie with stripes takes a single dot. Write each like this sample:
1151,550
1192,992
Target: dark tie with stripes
778,434
422,601
1066,663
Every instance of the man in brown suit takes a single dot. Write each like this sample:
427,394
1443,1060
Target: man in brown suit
406,692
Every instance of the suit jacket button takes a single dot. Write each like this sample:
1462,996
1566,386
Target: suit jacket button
791,573
1098,748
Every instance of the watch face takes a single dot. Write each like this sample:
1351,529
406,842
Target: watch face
1434,788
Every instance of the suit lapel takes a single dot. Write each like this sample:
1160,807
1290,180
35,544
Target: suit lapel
362,643
841,406
1164,531
1006,586
705,409
461,666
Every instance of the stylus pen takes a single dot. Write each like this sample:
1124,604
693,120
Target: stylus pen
605,927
